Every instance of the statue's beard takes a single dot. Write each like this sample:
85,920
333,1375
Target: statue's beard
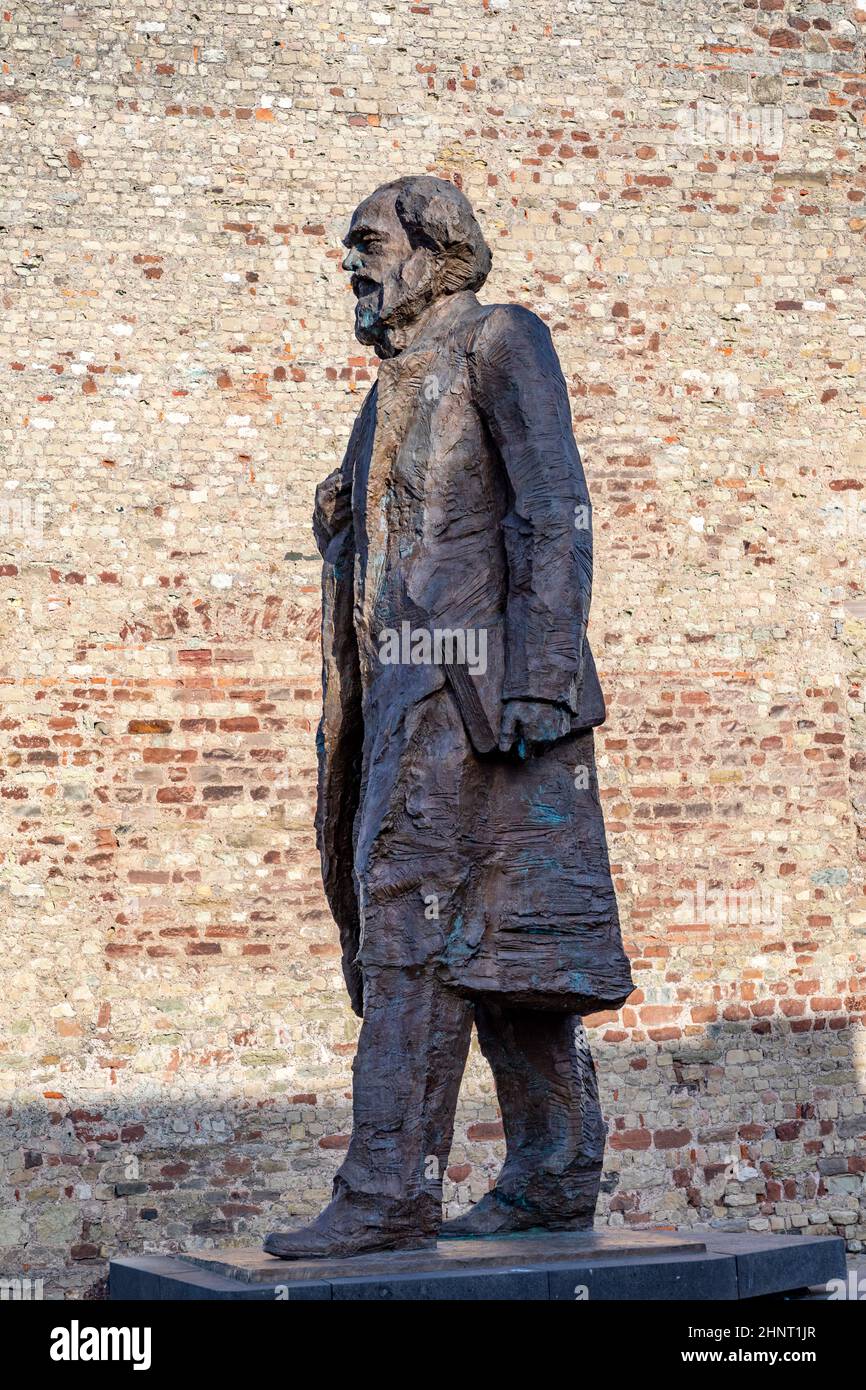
385,312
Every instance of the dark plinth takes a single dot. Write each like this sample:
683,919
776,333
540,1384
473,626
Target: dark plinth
603,1264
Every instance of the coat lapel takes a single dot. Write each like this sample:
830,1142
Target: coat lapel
400,383
401,387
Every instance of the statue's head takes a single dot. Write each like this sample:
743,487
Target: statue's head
408,244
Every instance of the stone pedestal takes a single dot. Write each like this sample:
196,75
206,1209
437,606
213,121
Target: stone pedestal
603,1264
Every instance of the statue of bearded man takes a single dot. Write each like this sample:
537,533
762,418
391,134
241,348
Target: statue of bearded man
459,822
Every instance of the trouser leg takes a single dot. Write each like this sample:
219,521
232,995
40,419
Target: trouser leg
407,1072
406,1078
548,1095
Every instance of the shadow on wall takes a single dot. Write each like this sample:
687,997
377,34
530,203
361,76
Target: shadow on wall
745,1130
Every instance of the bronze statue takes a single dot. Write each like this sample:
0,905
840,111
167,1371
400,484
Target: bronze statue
459,823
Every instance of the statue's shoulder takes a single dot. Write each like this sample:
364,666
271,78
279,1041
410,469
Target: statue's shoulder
499,325
513,321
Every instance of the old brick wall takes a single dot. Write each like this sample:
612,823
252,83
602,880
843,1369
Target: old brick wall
678,188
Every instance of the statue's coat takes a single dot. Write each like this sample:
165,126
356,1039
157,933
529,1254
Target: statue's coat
461,504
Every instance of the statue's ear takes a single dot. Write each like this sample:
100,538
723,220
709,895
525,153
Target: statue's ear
455,263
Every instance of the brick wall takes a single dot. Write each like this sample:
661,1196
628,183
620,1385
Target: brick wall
679,189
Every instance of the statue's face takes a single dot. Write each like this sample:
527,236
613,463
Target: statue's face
390,278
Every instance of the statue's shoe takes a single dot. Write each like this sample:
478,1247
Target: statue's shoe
495,1215
339,1240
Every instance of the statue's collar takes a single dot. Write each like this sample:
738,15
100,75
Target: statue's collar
429,329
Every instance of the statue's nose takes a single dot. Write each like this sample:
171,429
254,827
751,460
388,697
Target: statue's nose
351,260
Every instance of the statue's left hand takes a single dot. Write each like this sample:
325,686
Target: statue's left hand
529,725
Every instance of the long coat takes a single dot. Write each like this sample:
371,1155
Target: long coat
461,506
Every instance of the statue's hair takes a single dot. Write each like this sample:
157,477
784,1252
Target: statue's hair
435,213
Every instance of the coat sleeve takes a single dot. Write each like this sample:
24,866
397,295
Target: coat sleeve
520,391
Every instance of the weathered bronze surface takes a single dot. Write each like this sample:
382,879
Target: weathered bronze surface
459,823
